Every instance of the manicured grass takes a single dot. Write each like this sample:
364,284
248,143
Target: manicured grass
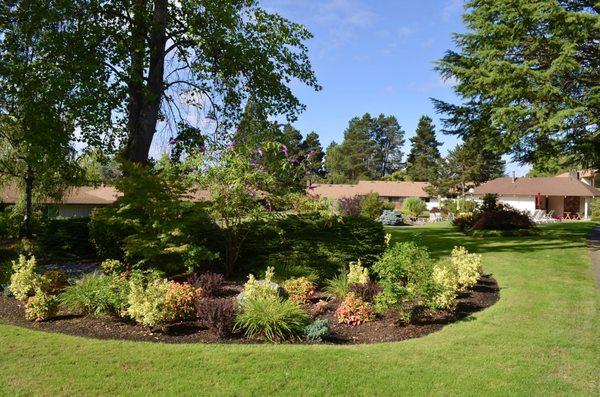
541,338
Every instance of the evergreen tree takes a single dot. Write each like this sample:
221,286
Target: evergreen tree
313,153
528,74
466,166
335,164
424,154
387,137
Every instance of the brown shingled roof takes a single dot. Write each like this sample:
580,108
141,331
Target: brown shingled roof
88,195
383,188
546,186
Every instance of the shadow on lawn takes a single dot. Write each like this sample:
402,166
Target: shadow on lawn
441,240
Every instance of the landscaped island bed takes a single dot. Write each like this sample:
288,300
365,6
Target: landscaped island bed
541,338
481,296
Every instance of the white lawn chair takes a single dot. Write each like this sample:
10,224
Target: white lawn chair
549,217
538,216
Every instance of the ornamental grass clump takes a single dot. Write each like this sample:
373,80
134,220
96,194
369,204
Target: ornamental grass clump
337,287
97,295
300,289
271,318
353,311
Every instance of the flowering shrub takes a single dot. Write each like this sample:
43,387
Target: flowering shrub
468,266
254,288
358,274
209,284
317,330
353,311
55,281
216,314
319,308
180,301
300,289
147,302
25,281
271,318
366,291
41,306
112,266
350,206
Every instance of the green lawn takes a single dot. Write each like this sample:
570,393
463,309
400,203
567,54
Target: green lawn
541,338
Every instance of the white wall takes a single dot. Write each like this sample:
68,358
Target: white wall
433,202
522,203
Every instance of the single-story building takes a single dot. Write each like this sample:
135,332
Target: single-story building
390,191
81,201
566,197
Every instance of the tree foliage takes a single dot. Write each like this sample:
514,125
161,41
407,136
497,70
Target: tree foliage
424,154
528,74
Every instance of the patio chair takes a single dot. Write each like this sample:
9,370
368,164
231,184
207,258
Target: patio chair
538,216
549,217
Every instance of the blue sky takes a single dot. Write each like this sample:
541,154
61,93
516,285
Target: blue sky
377,57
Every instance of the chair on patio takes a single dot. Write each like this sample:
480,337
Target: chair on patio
549,217
538,216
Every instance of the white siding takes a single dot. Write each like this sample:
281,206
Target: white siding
433,202
522,203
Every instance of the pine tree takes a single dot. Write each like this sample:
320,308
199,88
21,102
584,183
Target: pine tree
313,153
424,154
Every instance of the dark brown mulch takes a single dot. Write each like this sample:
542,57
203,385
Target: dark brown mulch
483,295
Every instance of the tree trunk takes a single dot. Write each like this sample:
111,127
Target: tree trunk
26,227
145,95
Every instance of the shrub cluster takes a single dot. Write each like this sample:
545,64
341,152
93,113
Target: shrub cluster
414,207
98,295
493,216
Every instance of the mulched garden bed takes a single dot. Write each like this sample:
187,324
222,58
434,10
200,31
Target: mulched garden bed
481,296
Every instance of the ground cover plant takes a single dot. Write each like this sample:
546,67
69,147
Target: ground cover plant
544,277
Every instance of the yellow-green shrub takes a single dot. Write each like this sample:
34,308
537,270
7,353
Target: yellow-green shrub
41,306
25,281
147,302
358,274
468,267
446,278
266,288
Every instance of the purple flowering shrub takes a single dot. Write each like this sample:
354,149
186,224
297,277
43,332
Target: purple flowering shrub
350,206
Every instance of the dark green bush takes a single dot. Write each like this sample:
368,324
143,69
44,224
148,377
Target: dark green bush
312,241
64,239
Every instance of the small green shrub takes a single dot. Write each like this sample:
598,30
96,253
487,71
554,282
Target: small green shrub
595,207
414,206
113,266
353,311
392,298
25,281
337,287
273,319
41,306
317,330
372,206
404,262
300,290
97,294
358,274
